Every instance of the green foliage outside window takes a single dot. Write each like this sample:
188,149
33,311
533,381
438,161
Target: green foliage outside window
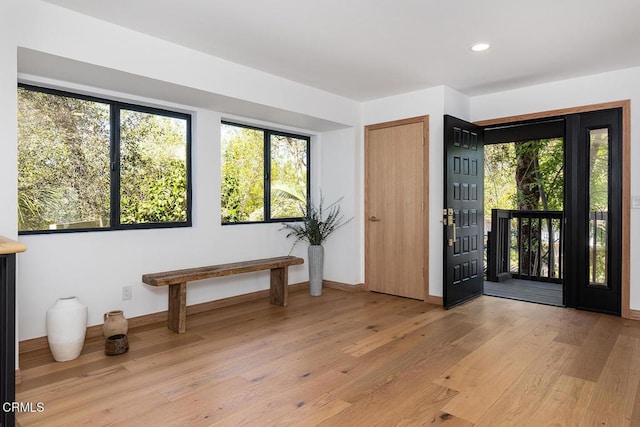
247,178
598,205
63,161
152,168
242,174
65,157
527,175
288,176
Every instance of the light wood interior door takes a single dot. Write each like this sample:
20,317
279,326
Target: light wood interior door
396,207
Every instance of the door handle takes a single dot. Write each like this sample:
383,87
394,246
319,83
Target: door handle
450,220
374,218
452,241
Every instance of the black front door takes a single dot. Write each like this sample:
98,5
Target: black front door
463,214
593,198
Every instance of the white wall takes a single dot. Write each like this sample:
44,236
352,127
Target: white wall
96,265
8,164
606,87
53,30
8,117
340,178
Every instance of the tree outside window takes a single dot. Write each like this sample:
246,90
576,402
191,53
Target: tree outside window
89,164
264,174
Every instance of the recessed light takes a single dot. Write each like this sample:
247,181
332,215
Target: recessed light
479,47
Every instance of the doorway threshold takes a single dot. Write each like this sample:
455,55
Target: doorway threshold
526,290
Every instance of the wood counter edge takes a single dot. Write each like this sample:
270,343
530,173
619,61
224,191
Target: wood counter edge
8,246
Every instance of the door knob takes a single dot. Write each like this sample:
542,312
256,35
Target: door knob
374,218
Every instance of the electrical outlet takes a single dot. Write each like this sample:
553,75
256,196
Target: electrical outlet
126,293
635,202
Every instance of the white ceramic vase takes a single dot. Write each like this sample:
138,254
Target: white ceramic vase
66,328
316,261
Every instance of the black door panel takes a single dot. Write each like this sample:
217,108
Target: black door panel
463,211
594,198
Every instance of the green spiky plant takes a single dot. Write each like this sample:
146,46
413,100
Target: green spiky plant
314,227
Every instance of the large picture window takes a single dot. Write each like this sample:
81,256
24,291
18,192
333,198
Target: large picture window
86,163
265,174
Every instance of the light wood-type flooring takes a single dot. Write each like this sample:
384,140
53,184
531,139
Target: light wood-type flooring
352,359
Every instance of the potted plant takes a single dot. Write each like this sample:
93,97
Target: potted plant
315,229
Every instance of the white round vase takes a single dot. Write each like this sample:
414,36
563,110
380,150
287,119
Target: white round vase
66,328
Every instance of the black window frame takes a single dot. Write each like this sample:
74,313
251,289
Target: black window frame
267,172
114,169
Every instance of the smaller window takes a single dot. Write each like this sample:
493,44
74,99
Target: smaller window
265,174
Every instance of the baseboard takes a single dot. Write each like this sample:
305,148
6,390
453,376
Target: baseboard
32,344
432,299
360,287
148,319
634,314
18,376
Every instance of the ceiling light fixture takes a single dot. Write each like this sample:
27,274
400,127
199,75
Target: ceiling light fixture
479,47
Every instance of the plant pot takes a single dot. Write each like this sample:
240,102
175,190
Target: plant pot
115,324
316,262
116,344
66,328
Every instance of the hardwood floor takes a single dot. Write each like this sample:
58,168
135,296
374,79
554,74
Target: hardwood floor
348,359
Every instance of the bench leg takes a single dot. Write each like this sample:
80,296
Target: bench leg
177,318
279,286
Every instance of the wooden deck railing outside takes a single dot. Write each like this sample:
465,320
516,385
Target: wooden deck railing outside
525,245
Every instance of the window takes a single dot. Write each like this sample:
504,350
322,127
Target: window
265,174
86,163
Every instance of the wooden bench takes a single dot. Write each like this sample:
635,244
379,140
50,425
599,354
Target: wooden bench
177,281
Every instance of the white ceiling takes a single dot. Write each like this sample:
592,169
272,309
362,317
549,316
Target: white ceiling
367,49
